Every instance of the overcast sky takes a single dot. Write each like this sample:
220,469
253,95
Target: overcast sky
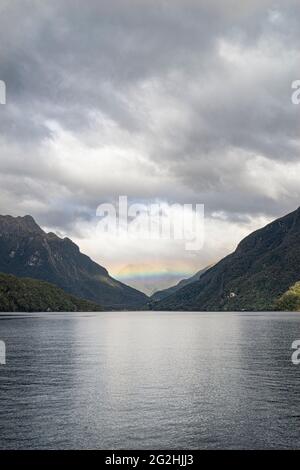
178,101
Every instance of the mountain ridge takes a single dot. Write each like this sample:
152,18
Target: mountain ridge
264,265
28,251
163,293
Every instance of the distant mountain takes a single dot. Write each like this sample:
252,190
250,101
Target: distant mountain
290,300
162,294
30,295
264,266
148,278
27,251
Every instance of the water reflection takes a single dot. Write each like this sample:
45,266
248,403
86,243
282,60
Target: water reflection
149,380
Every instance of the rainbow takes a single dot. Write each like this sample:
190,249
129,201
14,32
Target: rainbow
151,271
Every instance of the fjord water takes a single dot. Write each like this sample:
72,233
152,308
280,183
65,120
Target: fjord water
143,380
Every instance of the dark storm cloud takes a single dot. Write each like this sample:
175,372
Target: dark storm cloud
201,88
62,59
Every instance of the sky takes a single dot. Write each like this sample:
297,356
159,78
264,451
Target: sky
185,102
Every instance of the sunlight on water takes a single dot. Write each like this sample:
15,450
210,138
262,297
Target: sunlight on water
149,380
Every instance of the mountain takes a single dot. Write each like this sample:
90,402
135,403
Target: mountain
27,251
162,294
30,295
264,266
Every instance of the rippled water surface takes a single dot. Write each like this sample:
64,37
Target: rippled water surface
149,380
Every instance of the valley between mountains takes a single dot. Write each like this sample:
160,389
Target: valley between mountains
43,272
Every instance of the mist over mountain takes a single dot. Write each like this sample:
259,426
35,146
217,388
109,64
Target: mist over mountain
27,251
149,278
262,268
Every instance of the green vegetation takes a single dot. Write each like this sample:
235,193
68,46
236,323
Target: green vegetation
290,300
27,251
30,295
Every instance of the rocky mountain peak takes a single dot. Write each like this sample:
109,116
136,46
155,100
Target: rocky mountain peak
26,224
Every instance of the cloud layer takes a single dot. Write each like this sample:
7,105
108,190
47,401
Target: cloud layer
175,101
